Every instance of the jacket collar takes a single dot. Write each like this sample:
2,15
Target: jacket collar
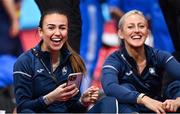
148,51
45,55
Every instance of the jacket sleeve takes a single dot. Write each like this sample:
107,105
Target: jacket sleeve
111,71
170,64
23,82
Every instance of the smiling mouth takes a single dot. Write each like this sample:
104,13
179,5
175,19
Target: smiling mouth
56,40
136,37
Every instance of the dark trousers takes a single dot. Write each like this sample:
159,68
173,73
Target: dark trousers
172,91
6,102
105,105
109,104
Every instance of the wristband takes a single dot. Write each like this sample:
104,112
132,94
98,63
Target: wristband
46,100
81,102
140,97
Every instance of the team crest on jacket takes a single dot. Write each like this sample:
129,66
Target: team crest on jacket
40,70
64,70
129,73
152,71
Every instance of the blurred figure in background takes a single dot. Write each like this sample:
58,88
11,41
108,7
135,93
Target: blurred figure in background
171,11
10,48
92,28
110,43
9,30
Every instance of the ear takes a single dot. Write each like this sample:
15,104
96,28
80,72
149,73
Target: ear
120,34
40,32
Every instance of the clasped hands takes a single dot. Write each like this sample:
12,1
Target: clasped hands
170,105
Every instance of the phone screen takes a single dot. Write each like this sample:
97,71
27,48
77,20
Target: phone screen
75,78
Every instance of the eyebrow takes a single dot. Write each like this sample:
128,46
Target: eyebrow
50,25
55,25
137,23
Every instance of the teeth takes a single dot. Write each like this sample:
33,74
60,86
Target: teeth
56,39
136,37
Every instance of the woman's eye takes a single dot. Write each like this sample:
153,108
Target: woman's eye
50,28
62,28
130,27
141,26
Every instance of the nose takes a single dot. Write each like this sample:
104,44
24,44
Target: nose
57,32
136,29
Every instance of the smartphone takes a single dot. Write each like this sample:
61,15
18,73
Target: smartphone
75,78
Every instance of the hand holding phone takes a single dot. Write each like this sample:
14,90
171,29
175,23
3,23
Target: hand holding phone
75,78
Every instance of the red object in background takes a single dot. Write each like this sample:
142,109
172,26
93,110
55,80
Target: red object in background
103,54
110,36
111,43
29,38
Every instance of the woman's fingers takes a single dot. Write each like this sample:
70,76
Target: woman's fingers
71,93
66,92
161,110
91,95
67,95
170,105
94,96
63,85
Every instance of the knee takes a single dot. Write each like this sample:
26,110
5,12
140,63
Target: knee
26,111
105,105
108,100
127,108
173,90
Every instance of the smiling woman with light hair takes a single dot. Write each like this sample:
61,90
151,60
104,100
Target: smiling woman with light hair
134,74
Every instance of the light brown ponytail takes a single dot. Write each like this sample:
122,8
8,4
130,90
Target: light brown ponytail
76,61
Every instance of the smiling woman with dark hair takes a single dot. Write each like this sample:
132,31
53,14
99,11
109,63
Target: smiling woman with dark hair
40,74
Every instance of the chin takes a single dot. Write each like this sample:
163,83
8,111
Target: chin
56,48
138,46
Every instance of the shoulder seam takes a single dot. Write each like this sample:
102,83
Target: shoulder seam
110,66
169,59
23,73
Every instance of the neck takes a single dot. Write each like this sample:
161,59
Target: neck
55,57
55,60
138,54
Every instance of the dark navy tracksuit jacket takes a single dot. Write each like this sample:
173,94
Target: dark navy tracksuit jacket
32,82
120,77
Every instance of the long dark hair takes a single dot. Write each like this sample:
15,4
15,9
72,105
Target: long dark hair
75,60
